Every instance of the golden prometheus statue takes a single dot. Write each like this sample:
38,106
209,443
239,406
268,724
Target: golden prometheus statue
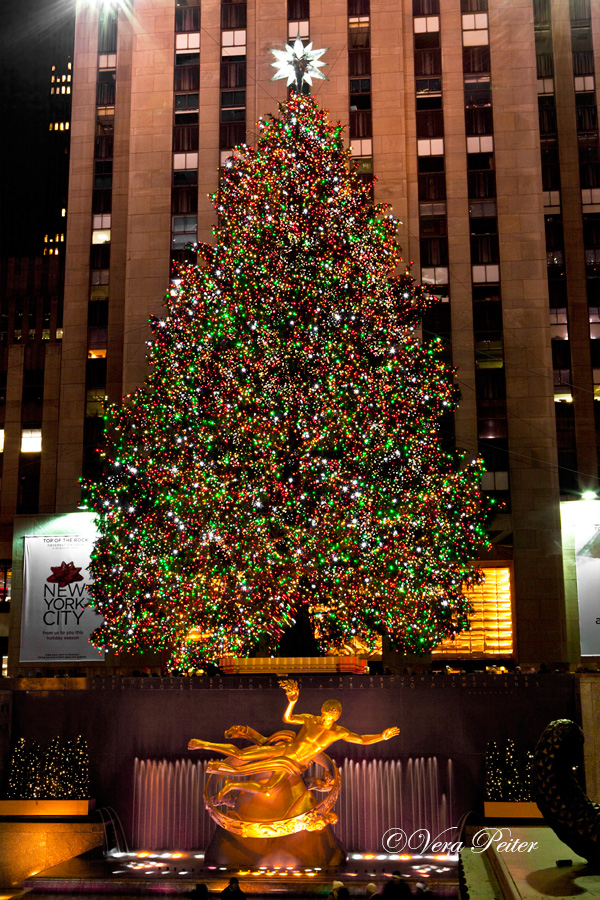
264,788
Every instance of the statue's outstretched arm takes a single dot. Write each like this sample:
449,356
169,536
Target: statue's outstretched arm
291,692
369,738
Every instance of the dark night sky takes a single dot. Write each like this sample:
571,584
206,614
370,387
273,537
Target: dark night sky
31,32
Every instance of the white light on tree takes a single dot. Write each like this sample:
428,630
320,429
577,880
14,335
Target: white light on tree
298,64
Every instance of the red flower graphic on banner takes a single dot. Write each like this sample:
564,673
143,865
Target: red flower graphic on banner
65,574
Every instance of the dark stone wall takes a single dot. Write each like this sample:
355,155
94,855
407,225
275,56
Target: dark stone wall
5,736
439,715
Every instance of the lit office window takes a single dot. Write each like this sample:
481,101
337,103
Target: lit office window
491,630
5,580
31,440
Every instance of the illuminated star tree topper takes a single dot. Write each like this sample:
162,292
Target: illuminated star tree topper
298,64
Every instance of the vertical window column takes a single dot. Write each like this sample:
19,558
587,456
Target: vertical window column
433,223
359,69
490,383
298,15
232,119
586,108
186,86
433,241
546,103
591,236
95,376
557,282
586,111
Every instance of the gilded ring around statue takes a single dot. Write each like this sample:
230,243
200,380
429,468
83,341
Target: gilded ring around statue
315,819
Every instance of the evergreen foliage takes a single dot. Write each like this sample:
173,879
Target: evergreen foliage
507,772
24,781
60,772
284,453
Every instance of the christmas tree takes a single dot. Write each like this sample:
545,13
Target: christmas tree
508,772
61,771
284,453
24,782
55,771
69,777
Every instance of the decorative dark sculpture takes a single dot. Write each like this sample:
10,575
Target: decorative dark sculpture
573,817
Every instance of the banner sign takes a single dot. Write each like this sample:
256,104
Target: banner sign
57,622
587,561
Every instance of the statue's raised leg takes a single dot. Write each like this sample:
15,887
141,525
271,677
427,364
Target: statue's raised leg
226,749
244,754
253,767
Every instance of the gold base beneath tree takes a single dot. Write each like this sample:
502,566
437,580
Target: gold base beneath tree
291,665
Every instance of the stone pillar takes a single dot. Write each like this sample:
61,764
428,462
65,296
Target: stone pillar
539,595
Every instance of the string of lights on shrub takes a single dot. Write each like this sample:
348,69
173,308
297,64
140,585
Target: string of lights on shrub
284,449
59,771
507,772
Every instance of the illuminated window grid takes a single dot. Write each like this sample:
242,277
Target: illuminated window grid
491,632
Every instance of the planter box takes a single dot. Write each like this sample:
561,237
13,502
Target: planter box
517,809
56,808
262,665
